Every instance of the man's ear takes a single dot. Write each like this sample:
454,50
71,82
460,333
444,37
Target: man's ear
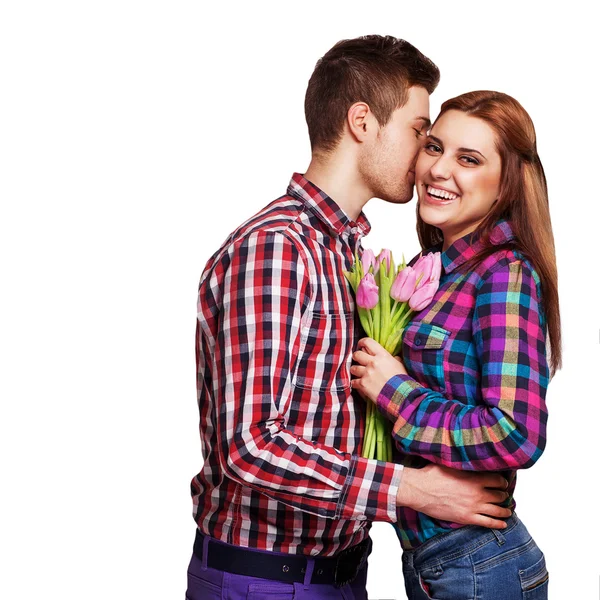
360,121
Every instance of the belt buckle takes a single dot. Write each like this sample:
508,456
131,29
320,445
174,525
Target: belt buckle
356,558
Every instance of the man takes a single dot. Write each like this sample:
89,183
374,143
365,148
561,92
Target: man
284,502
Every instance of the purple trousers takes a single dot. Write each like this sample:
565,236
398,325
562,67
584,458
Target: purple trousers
205,583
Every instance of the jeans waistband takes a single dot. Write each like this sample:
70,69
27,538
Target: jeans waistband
456,543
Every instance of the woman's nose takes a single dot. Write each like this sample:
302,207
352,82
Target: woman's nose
441,169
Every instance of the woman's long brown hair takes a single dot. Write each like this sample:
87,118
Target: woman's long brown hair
523,199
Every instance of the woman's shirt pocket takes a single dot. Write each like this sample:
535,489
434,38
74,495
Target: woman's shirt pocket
423,352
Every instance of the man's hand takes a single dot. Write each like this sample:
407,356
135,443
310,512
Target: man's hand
457,496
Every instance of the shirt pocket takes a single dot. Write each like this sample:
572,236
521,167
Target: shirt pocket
423,352
325,352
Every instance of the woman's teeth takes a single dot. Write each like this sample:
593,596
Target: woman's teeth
441,194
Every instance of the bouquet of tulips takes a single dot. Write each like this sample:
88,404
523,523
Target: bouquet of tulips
386,298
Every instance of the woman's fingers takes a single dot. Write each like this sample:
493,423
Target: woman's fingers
357,370
362,357
369,345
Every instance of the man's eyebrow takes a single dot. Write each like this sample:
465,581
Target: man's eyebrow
438,141
426,121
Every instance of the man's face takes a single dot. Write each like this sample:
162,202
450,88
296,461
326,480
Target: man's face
387,163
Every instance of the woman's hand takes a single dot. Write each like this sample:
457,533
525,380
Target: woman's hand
376,366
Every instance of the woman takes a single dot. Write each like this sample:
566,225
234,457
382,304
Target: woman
469,392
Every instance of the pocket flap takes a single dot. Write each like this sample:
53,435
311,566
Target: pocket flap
424,336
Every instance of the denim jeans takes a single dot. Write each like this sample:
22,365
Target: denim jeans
475,563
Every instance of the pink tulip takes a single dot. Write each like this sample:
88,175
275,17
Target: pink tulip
404,285
368,260
423,268
367,294
436,271
423,296
386,255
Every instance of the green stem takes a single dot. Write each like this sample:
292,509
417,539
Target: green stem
366,435
380,438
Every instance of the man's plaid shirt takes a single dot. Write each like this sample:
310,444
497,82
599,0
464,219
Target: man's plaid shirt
280,430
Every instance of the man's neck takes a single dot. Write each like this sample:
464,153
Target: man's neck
338,177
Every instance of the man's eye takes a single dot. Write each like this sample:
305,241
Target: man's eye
419,134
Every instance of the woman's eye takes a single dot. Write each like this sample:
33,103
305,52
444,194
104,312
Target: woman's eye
433,148
469,160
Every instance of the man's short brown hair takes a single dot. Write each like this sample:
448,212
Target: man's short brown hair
378,70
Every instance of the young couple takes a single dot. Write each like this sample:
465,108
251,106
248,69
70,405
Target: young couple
284,502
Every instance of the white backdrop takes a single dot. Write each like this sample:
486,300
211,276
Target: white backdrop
134,137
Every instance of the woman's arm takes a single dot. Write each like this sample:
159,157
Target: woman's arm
508,429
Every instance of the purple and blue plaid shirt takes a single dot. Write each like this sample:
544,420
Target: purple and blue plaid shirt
476,358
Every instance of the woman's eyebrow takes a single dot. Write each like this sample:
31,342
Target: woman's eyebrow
472,150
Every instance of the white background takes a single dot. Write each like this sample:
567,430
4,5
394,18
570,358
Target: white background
134,137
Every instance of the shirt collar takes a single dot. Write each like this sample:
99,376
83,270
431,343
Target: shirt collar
468,246
325,208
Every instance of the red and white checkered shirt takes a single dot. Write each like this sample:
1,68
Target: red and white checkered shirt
280,430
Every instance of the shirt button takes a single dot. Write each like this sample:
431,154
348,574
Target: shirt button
418,341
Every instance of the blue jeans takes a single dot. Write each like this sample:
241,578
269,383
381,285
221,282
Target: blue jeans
475,563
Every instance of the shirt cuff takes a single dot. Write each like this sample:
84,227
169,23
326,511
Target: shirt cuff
370,491
394,392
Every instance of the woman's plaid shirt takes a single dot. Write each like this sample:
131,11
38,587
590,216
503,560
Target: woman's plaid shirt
280,429
475,397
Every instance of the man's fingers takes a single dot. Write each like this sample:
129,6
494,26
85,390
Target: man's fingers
489,522
495,496
495,481
499,512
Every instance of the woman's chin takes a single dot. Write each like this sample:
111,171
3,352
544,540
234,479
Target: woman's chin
431,216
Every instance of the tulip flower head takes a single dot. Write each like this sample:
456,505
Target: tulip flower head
384,255
436,271
423,296
423,268
404,285
367,294
368,260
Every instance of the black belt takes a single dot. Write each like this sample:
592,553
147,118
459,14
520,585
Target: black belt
335,570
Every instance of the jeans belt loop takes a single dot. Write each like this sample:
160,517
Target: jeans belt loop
500,539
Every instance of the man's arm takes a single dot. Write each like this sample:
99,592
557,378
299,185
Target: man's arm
456,496
258,342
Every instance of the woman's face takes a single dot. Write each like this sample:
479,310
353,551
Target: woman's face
458,174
